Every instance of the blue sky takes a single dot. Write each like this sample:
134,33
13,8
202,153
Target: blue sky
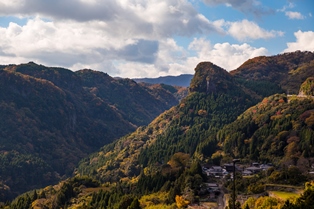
151,38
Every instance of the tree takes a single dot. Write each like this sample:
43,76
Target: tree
35,196
181,202
135,204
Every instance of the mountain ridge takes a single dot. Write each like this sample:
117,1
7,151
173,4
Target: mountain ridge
216,99
52,118
180,80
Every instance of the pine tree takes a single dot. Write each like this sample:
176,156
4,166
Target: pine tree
135,204
35,196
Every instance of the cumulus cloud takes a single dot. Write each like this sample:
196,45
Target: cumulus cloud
246,6
132,38
226,55
248,30
144,17
175,60
294,15
304,42
83,33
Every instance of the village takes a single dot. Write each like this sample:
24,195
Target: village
213,191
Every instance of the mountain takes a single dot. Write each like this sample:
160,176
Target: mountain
215,99
178,92
278,130
221,118
284,71
181,80
225,115
53,117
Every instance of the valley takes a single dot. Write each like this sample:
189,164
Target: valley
163,150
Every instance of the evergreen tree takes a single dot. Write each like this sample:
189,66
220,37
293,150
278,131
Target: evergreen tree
135,204
35,196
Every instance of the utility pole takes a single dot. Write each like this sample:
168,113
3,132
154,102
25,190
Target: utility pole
234,185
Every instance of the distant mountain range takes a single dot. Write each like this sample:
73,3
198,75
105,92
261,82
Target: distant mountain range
180,80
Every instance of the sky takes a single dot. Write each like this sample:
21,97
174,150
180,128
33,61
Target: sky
151,38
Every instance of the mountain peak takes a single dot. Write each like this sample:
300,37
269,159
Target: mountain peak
209,78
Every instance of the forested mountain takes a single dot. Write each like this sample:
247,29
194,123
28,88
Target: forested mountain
225,115
278,130
284,71
53,117
275,132
215,100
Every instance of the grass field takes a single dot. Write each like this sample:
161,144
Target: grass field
283,195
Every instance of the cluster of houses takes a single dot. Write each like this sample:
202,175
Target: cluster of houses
214,191
221,171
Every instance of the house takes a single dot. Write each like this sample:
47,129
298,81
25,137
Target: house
254,169
247,173
215,171
229,168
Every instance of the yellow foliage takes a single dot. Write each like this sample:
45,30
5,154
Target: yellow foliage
37,204
154,200
181,202
268,203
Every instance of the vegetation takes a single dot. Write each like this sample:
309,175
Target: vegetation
190,128
53,117
284,195
277,130
307,87
159,165
287,70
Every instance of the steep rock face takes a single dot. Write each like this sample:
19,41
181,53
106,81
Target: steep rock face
210,78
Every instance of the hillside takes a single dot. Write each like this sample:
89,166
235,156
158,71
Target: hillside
283,72
224,116
216,99
278,130
53,117
190,127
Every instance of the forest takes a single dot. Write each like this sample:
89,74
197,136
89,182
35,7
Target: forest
224,116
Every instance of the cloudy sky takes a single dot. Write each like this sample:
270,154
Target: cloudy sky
151,38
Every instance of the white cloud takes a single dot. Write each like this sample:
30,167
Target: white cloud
248,30
103,34
294,15
174,60
289,6
132,32
246,6
134,17
226,55
304,42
